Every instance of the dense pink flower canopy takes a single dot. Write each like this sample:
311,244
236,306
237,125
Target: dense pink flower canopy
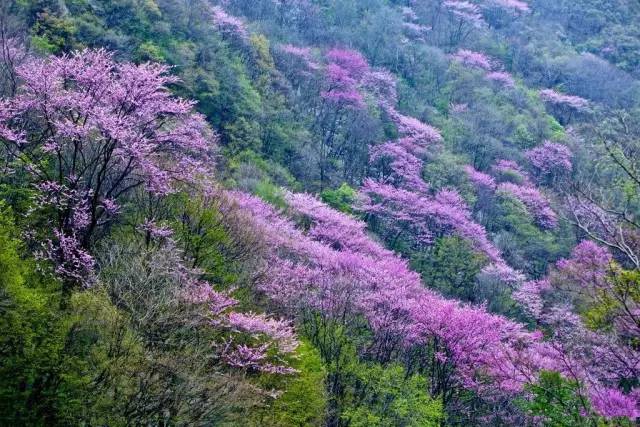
550,157
502,77
350,60
535,202
343,76
229,24
466,11
336,269
110,128
588,265
268,336
305,54
473,59
556,98
480,179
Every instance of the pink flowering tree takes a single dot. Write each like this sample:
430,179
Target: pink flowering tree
462,19
563,106
534,201
327,273
513,6
341,101
509,171
550,160
230,26
507,179
473,59
166,296
501,78
88,131
598,358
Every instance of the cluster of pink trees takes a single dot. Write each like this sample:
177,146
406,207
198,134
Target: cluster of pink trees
333,270
343,75
563,106
467,12
492,69
229,25
251,342
600,360
399,199
411,27
473,59
88,131
324,270
535,202
514,6
550,158
510,180
465,17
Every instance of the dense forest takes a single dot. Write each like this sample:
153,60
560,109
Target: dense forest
320,213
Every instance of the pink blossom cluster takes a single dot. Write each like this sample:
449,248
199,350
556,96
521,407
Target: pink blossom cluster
343,77
382,84
611,403
110,127
502,77
492,68
473,59
415,31
321,270
334,270
598,360
506,172
535,202
570,101
350,60
465,11
252,339
155,230
503,273
278,331
229,24
71,261
529,295
304,54
422,217
587,267
480,179
550,158
398,166
510,5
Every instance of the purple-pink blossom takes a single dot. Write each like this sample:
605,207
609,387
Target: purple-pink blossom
556,98
550,158
473,59
534,201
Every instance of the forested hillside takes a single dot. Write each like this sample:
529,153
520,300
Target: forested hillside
320,212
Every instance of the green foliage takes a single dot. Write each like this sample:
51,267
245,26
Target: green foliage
303,402
524,245
386,396
613,301
248,168
30,337
342,198
451,267
202,234
445,172
557,401
271,193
